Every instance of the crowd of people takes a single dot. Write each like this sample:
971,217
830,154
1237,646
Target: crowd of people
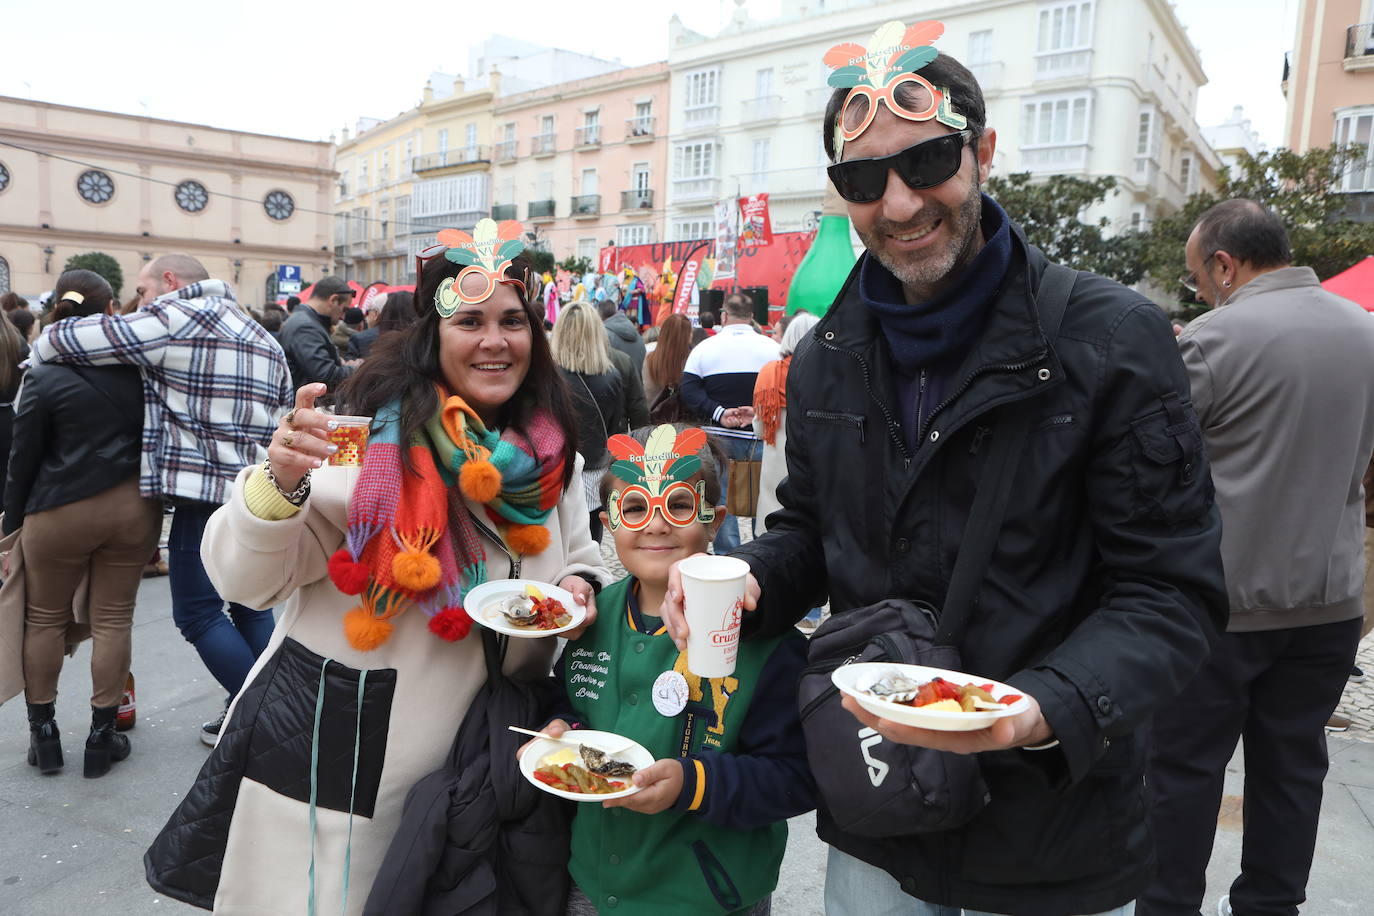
1158,543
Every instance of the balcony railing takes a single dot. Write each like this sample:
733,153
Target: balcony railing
1053,65
696,188
1067,158
542,145
584,205
446,158
763,108
501,212
505,151
641,128
637,200
540,209
703,116
1359,47
589,135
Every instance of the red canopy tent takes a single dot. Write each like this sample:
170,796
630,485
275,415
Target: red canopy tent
1355,284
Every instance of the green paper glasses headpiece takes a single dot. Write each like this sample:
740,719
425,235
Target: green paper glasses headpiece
658,474
487,252
898,51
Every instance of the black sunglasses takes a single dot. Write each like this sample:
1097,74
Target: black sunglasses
922,165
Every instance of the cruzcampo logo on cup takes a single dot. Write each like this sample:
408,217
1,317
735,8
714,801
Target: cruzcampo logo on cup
713,603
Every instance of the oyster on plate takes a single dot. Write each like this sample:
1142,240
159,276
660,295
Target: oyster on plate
598,762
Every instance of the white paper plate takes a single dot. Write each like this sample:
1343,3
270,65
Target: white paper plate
854,679
480,603
618,746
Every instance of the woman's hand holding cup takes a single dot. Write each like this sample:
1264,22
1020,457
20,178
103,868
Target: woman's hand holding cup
301,441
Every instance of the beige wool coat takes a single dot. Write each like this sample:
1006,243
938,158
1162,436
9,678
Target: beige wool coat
282,564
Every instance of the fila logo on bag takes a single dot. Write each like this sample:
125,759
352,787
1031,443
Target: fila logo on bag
877,769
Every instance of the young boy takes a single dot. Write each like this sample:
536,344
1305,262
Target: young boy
706,832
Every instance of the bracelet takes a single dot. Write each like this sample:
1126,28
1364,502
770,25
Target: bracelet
1040,747
297,496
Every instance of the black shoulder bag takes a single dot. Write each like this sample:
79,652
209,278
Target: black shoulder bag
871,787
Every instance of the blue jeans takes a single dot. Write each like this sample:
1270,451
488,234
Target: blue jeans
727,535
855,888
228,645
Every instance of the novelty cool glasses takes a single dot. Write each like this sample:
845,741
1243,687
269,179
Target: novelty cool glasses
922,165
680,505
434,251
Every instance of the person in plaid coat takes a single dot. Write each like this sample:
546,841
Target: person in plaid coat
214,384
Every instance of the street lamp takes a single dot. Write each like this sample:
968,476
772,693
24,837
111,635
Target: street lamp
47,258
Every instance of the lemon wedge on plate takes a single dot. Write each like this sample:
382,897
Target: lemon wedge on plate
562,756
532,592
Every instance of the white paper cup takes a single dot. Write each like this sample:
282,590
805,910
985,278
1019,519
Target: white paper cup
713,602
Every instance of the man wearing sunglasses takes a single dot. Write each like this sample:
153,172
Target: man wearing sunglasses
1104,588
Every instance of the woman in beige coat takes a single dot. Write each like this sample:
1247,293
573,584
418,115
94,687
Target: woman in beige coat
299,801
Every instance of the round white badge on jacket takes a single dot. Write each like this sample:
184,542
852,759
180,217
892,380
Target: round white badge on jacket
670,693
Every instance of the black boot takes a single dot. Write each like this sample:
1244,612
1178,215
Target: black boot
45,741
104,745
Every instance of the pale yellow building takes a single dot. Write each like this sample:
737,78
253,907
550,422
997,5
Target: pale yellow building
372,197
75,180
404,179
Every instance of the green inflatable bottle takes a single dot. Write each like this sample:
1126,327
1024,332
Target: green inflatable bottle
822,272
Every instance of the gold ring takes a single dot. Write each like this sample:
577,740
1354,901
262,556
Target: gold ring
290,417
288,440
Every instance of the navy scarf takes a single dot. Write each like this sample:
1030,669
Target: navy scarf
939,331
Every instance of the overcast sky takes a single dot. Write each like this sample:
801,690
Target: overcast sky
307,69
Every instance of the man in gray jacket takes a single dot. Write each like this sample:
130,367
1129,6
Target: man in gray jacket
1282,374
621,332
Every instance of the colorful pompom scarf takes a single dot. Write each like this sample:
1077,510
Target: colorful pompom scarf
410,539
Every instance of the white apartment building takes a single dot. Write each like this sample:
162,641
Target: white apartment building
1078,87
1233,137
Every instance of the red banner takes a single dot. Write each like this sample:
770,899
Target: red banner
771,266
686,285
758,228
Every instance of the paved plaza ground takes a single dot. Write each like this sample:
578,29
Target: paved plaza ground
68,843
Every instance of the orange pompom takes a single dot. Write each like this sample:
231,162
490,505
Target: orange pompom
415,570
479,480
451,624
348,575
364,631
527,539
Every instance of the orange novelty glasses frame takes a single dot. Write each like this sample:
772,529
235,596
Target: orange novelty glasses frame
887,96
639,499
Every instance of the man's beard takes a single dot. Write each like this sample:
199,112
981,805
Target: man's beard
923,271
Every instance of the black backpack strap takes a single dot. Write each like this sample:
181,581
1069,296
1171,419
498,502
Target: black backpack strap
994,485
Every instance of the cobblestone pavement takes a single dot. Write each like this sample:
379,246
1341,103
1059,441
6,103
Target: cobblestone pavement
1358,701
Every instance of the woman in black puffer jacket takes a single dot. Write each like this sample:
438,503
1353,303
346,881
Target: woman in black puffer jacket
583,356
73,486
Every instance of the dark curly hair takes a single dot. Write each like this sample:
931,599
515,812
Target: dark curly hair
405,364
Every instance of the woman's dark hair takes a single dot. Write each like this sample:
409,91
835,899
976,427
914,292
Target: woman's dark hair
664,366
713,458
23,320
398,313
91,288
944,72
12,349
11,301
405,366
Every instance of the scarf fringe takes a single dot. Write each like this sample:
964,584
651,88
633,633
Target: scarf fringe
411,540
